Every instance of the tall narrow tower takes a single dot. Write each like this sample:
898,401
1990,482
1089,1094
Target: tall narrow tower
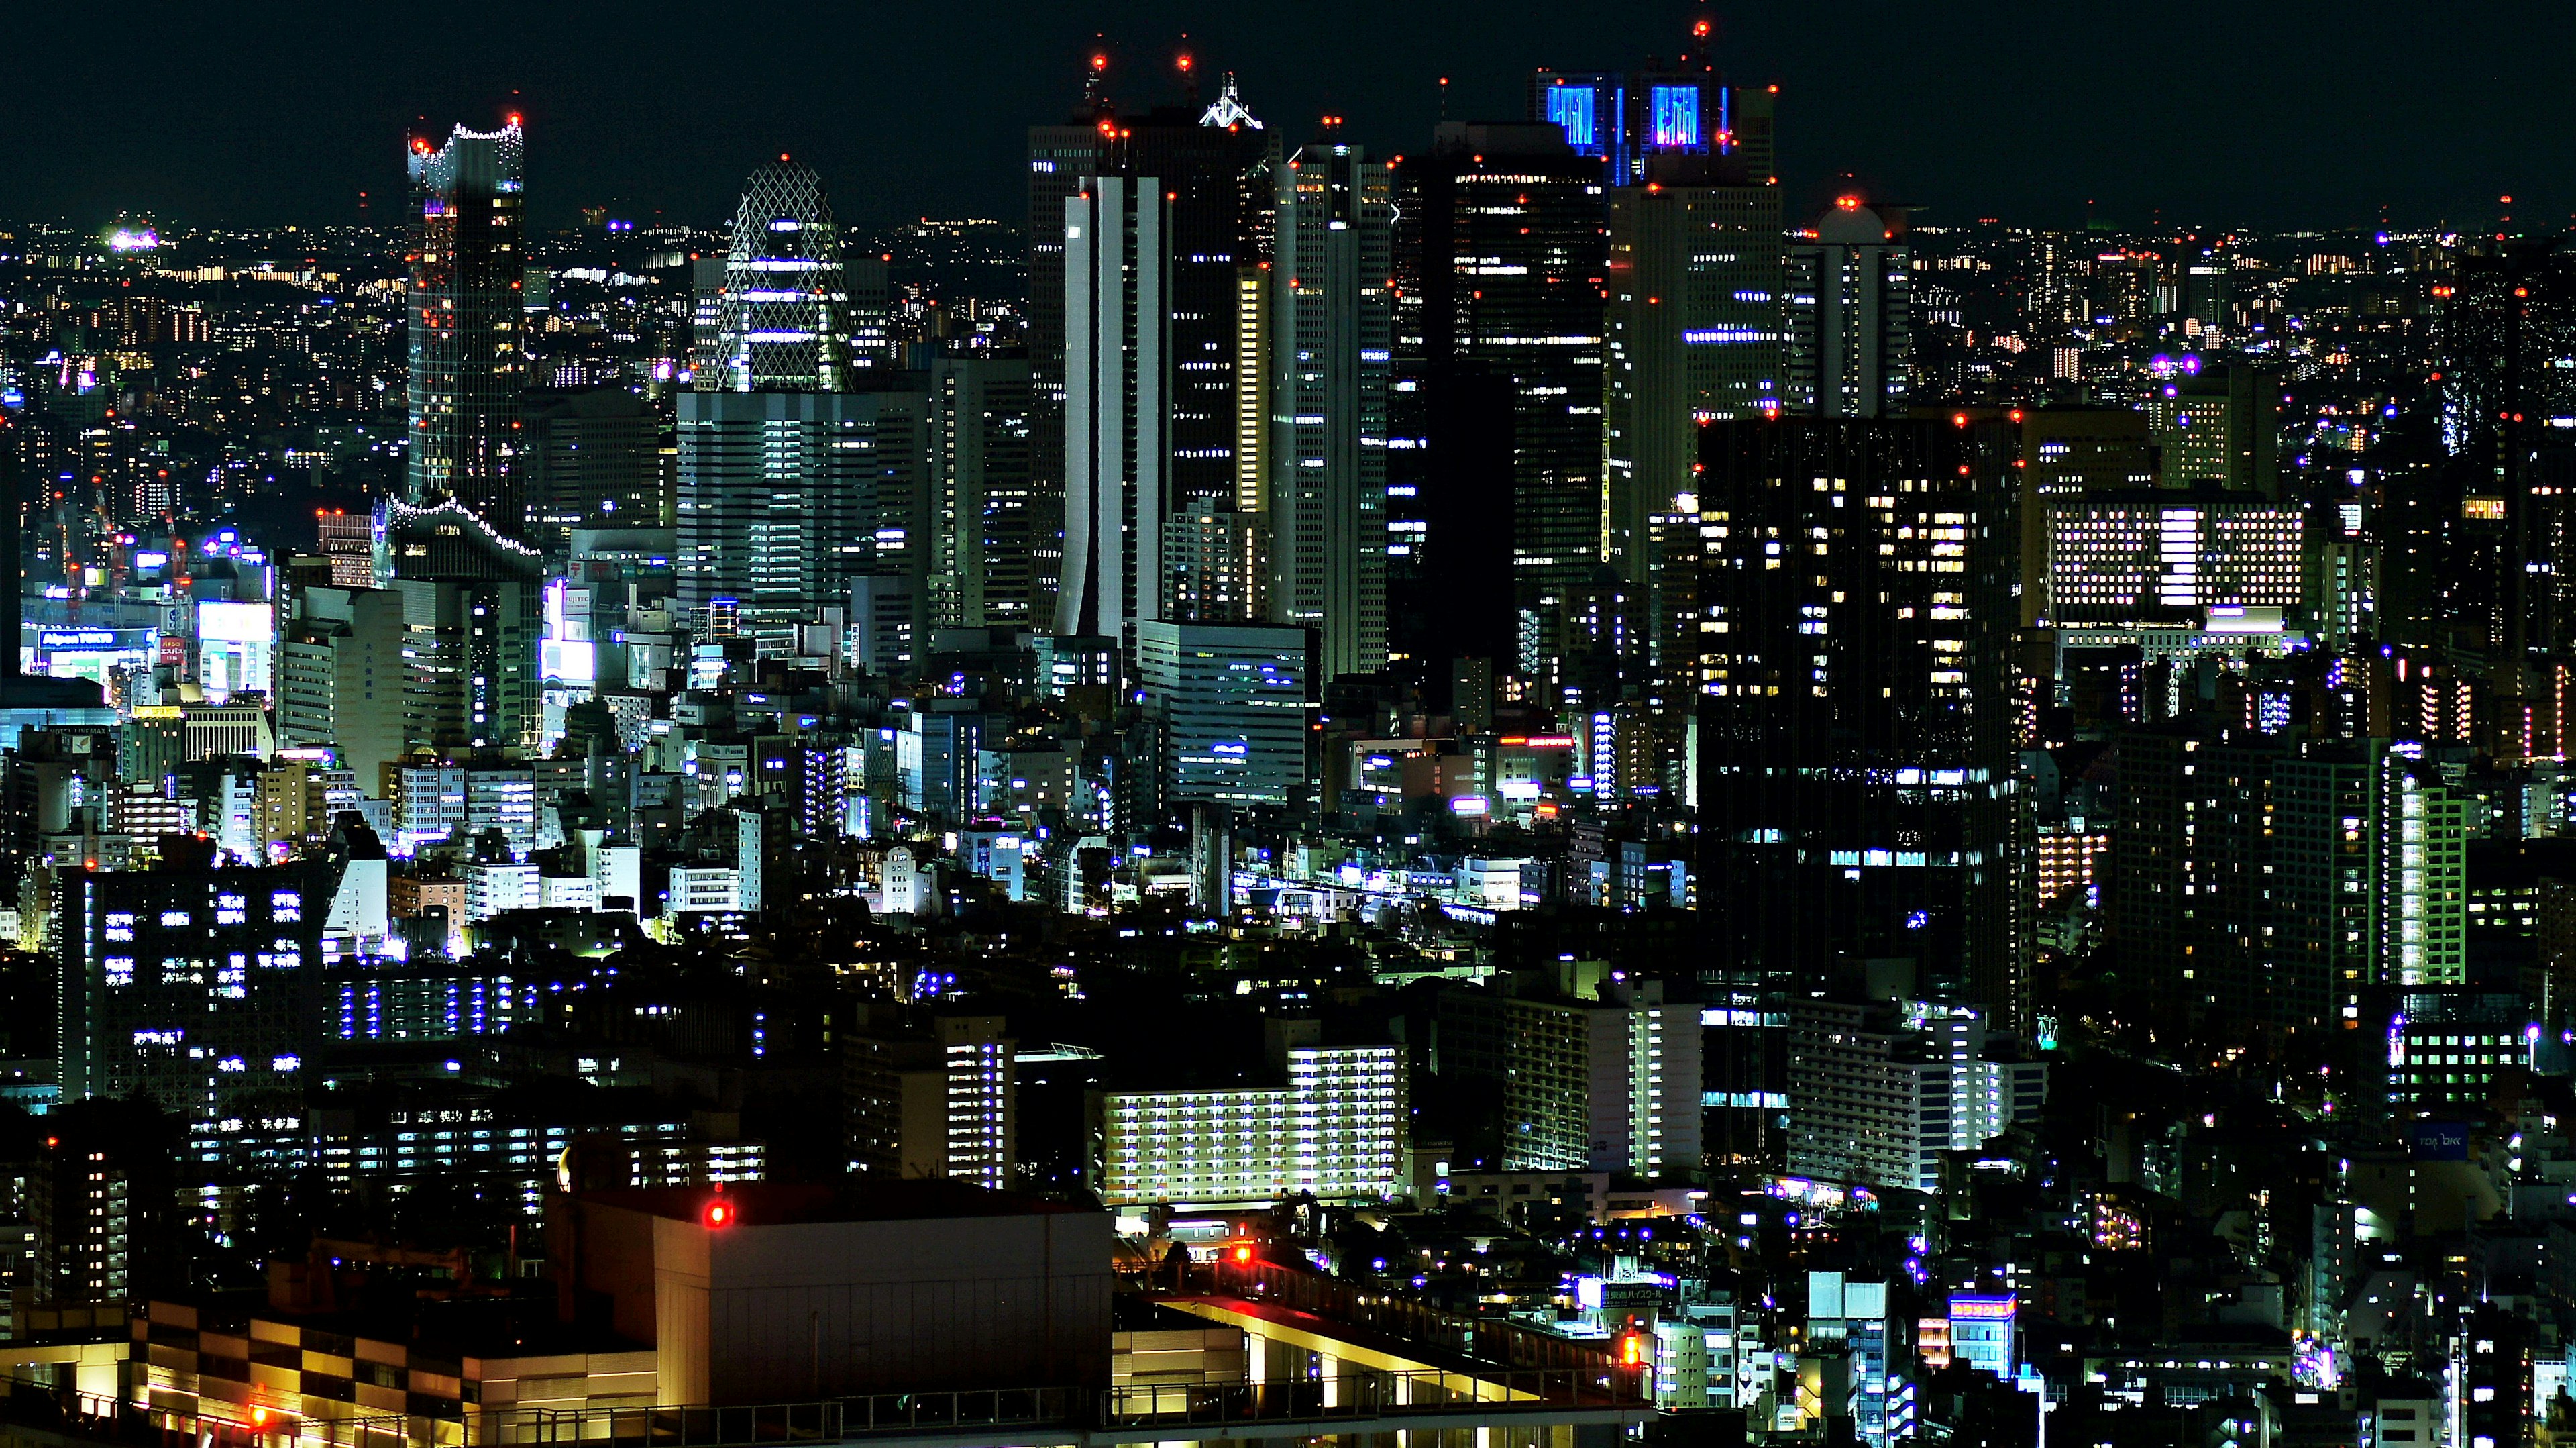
1331,343
468,359
1117,406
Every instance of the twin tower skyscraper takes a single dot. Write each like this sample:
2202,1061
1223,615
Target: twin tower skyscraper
1212,321
1197,431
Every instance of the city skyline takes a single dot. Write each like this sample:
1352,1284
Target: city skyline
2149,125
1520,772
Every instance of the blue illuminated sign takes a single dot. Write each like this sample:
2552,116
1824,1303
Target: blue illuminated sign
1675,116
1573,108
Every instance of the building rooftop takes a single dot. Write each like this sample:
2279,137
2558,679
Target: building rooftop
776,1204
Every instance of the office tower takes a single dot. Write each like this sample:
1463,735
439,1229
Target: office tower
1229,707
1849,332
981,549
472,608
2069,452
1630,118
796,495
191,985
468,265
1693,336
1514,259
1336,1130
2276,881
1331,339
342,677
936,1103
1117,412
2232,563
784,316
1878,1091
1584,1077
593,459
1856,730
2219,427
1214,167
782,497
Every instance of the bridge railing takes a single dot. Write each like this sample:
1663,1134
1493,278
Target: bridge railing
1347,1393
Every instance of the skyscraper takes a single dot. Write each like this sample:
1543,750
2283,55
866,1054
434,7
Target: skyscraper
1214,166
1628,118
1514,262
1855,753
1693,336
1117,415
1230,707
782,469
1331,345
784,313
472,605
468,361
1849,330
1694,332
592,459
981,546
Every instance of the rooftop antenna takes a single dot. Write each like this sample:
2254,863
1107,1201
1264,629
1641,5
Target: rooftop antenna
1094,80
1189,73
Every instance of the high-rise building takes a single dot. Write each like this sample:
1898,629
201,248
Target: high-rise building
2219,427
783,316
2273,880
935,1104
592,459
1117,410
1213,166
1878,1092
196,986
2123,559
342,677
1514,262
795,493
473,608
468,262
1693,336
1694,333
1584,1078
1850,331
2068,452
788,499
1229,708
981,546
1685,108
1331,340
1856,725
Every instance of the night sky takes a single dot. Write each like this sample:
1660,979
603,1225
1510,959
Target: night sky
2262,113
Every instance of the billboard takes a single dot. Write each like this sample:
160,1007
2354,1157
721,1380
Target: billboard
222,621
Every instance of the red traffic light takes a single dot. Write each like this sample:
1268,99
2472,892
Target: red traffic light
1242,1254
719,1213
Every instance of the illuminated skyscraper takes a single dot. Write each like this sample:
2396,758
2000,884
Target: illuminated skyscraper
793,488
1856,737
1214,166
1514,262
1117,410
468,360
1849,331
1331,344
784,313
1693,336
1682,109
